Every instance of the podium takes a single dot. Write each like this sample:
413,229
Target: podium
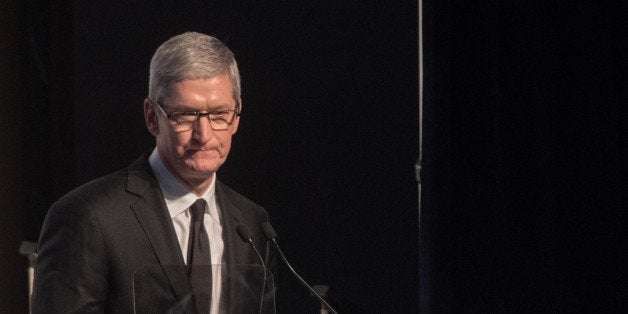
244,289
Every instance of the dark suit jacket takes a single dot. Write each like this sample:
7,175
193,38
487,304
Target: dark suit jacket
110,246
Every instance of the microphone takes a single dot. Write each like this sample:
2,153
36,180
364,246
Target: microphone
271,235
246,236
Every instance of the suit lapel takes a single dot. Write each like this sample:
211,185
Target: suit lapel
232,217
240,263
232,256
150,210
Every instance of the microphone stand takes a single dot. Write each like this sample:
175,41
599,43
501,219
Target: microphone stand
301,280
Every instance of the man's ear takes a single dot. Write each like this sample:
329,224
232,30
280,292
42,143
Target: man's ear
236,120
150,117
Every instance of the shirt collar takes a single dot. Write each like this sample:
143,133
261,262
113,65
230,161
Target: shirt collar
178,198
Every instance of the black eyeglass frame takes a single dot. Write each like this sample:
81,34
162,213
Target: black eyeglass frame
172,116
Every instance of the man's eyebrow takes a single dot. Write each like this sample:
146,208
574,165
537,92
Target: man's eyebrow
223,107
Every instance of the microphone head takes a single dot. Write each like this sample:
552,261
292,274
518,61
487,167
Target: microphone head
245,233
268,230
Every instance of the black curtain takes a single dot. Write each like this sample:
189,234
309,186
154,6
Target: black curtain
522,194
327,141
522,210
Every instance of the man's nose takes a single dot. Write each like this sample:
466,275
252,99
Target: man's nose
202,129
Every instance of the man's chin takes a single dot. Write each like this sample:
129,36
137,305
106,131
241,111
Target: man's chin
201,169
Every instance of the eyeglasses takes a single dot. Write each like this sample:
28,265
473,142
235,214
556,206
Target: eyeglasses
185,120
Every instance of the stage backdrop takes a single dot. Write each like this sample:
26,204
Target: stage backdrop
328,135
522,198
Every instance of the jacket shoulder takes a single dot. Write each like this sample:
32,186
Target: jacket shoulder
113,188
225,193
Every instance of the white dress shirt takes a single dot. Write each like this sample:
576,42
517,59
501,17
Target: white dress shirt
178,200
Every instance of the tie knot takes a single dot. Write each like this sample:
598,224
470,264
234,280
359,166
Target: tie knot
198,209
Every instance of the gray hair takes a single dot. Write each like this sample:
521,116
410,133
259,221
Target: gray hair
191,56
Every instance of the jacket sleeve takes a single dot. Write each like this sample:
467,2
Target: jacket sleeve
71,270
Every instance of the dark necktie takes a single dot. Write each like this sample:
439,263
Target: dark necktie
199,259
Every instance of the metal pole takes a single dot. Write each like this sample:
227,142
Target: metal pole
419,162
29,249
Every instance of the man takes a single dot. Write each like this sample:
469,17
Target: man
128,242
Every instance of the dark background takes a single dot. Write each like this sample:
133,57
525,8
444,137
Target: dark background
521,193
